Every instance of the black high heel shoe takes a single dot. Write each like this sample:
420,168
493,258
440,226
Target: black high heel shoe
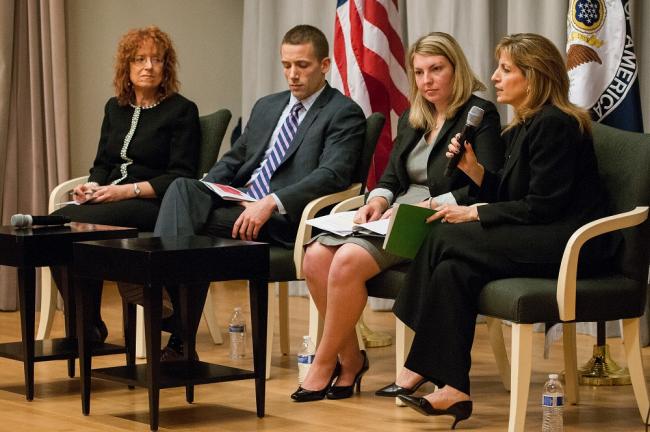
460,410
394,390
343,392
304,395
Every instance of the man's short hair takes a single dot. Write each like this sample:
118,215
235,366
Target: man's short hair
302,34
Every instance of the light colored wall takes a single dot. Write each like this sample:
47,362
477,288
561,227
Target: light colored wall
208,39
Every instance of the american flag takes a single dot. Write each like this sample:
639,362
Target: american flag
369,67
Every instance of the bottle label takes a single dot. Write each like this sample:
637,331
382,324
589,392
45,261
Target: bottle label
236,328
552,400
306,359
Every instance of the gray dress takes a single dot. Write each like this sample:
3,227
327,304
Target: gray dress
416,167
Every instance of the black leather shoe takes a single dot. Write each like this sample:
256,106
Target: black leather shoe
394,390
343,392
460,410
169,354
99,332
304,395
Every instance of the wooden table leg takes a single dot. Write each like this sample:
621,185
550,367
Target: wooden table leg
129,324
69,308
84,303
152,317
27,298
259,299
192,300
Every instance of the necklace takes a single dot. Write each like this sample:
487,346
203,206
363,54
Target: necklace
144,107
437,126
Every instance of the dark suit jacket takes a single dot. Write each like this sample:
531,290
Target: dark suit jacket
488,146
321,159
549,186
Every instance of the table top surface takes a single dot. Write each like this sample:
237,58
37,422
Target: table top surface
186,259
51,245
72,228
170,244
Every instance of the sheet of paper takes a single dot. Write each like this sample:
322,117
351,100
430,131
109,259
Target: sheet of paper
63,204
343,224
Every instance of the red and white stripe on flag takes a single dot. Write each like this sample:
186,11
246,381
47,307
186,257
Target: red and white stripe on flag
369,67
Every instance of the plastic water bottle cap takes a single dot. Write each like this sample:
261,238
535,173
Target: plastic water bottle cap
553,376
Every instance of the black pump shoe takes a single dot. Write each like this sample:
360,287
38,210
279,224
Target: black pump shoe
394,390
460,410
304,395
343,392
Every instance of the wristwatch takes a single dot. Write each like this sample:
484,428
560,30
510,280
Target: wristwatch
136,190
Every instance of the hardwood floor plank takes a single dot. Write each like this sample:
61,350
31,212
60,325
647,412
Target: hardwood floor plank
230,407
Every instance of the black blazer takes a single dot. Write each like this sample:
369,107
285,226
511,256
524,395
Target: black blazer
322,156
488,146
550,183
165,144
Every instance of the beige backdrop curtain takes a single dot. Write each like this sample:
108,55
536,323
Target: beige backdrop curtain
33,113
477,25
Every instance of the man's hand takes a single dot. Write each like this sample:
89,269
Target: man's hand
248,224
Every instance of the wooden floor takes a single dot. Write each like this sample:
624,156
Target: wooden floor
231,407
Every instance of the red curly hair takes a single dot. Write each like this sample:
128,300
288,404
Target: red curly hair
126,50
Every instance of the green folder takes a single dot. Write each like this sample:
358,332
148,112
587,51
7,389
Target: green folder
407,229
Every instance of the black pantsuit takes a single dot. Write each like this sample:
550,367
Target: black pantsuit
164,145
445,315
547,189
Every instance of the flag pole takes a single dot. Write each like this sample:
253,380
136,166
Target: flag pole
601,369
599,50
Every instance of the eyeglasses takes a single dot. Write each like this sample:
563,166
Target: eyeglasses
141,61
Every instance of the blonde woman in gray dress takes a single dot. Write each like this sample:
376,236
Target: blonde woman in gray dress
336,269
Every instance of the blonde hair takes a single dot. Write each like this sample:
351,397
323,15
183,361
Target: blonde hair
548,81
465,81
126,50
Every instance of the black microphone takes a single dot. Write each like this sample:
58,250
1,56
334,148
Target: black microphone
474,118
25,221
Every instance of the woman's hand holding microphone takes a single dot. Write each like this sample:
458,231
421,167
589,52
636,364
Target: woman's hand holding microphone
468,163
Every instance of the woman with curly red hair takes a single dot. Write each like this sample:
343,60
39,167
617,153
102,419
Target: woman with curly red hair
150,135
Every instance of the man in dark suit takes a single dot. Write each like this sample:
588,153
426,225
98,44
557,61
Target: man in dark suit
298,145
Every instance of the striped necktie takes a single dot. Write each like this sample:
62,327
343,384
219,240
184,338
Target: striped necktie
262,183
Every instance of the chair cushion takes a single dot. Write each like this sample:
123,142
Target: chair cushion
531,300
281,265
388,283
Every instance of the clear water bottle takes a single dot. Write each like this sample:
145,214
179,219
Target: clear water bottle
552,405
305,358
237,332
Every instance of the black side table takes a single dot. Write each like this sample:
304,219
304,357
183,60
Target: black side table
28,248
191,263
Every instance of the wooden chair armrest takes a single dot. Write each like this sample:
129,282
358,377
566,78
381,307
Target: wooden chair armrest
304,230
349,204
566,282
61,192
